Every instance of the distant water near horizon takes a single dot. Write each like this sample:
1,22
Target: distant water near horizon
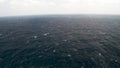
65,41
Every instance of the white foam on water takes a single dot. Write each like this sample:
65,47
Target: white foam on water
27,41
46,34
39,46
32,67
99,54
65,40
40,56
0,34
82,67
54,50
75,49
116,60
35,37
69,55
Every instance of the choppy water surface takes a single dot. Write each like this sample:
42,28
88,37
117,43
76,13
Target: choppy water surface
60,42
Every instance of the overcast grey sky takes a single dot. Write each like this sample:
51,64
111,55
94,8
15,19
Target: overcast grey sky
37,7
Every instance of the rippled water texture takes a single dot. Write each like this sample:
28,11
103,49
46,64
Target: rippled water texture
60,42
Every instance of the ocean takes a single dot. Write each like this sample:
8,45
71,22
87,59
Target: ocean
60,41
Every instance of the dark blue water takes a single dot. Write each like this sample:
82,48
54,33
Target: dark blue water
60,42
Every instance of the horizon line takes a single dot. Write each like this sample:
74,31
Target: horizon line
58,15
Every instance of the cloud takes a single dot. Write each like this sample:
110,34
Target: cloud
31,7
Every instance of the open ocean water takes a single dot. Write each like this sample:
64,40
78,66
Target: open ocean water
63,41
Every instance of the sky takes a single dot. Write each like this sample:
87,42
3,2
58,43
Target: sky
44,7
